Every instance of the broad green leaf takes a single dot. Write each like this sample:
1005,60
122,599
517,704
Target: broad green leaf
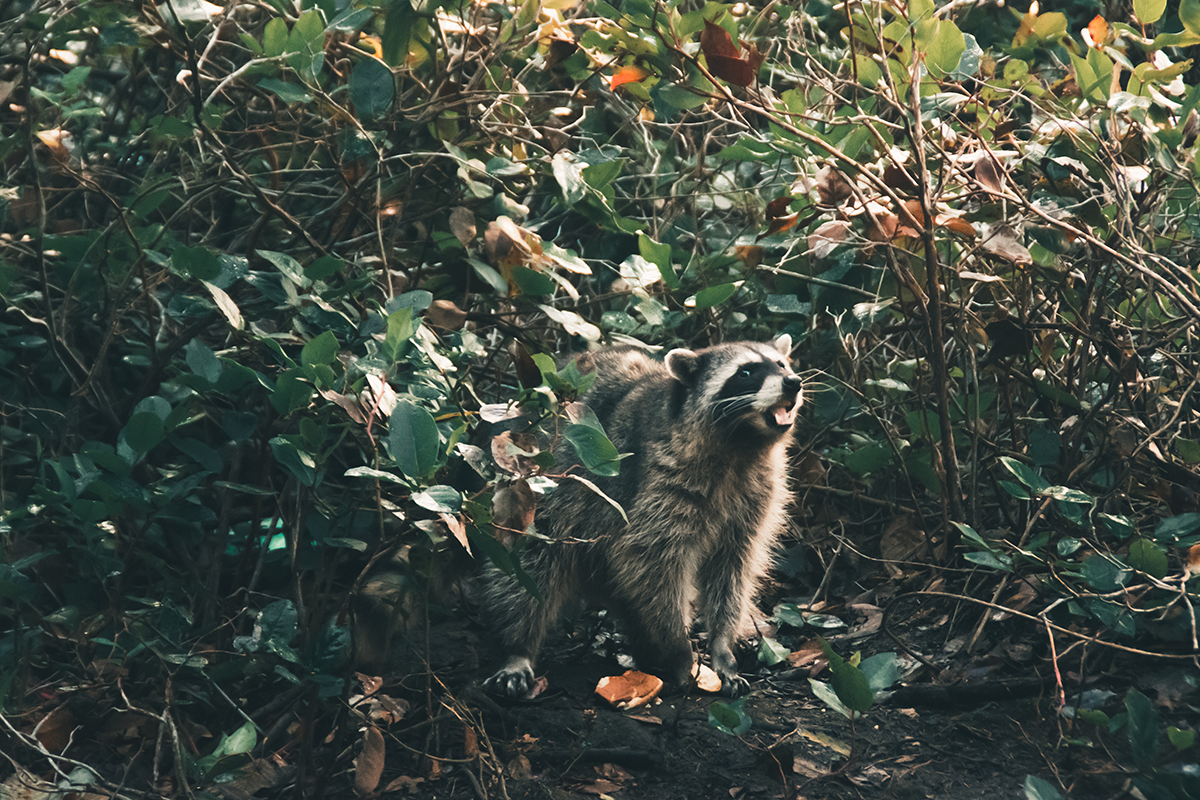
445,499
275,36
1103,574
594,449
1050,26
881,670
826,694
1144,729
532,282
1173,529
713,295
771,652
1068,495
143,431
287,92
319,350
660,256
1148,557
1038,789
294,459
1180,739
196,262
287,265
372,88
413,440
1189,15
851,687
729,718
399,330
942,43
1149,11
1119,526
1188,449
306,43
1024,474
397,31
202,361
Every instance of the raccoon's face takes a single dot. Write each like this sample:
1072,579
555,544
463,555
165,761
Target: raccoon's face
745,386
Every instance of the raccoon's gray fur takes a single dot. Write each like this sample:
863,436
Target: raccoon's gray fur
705,491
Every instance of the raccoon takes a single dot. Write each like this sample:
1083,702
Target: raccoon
704,489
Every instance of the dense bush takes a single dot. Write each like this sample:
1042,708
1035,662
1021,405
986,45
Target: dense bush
266,270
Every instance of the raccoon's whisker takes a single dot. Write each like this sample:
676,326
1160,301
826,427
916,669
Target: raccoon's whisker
730,406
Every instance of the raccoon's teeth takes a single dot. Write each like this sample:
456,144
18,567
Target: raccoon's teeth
785,415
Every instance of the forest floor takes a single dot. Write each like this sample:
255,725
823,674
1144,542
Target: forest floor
963,726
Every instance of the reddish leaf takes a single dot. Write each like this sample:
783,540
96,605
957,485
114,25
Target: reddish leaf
631,690
716,41
779,224
1098,30
630,74
734,70
753,57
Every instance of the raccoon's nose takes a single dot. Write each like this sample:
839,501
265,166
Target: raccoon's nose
792,384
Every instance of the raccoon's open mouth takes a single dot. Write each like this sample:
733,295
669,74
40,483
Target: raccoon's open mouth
782,415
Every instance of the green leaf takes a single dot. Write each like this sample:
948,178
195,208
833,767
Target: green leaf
1068,495
399,330
1117,525
660,256
1188,449
203,361
825,693
771,652
397,31
1024,474
444,499
713,295
320,350
306,43
1173,529
1149,11
287,265
532,282
790,614
881,670
413,440
1103,574
1038,789
1144,729
287,92
196,262
594,449
372,88
143,431
1180,739
1189,15
943,44
295,460
851,687
275,36
1148,557
729,718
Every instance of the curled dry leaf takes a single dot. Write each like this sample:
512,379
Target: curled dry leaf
368,767
462,225
706,679
631,690
513,508
445,314
823,241
832,187
1003,243
457,527
724,58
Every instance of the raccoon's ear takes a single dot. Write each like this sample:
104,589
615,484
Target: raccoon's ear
783,343
681,364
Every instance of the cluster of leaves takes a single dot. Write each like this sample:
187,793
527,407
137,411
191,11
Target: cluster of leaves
266,268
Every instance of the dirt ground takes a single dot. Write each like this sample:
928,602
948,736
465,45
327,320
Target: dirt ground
974,730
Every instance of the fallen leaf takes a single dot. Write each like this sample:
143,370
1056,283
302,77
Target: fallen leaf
631,690
368,767
706,679
445,314
462,225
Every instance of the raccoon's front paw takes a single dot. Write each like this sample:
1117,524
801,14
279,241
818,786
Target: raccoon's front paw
515,679
725,665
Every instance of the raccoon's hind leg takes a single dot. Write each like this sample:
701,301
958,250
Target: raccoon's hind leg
521,619
654,587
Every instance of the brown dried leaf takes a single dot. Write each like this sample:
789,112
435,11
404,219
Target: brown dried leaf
989,174
824,239
631,690
445,314
513,509
457,527
832,187
368,767
462,225
1003,243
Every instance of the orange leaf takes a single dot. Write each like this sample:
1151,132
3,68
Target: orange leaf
958,225
706,679
779,224
631,690
1098,30
630,74
724,57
